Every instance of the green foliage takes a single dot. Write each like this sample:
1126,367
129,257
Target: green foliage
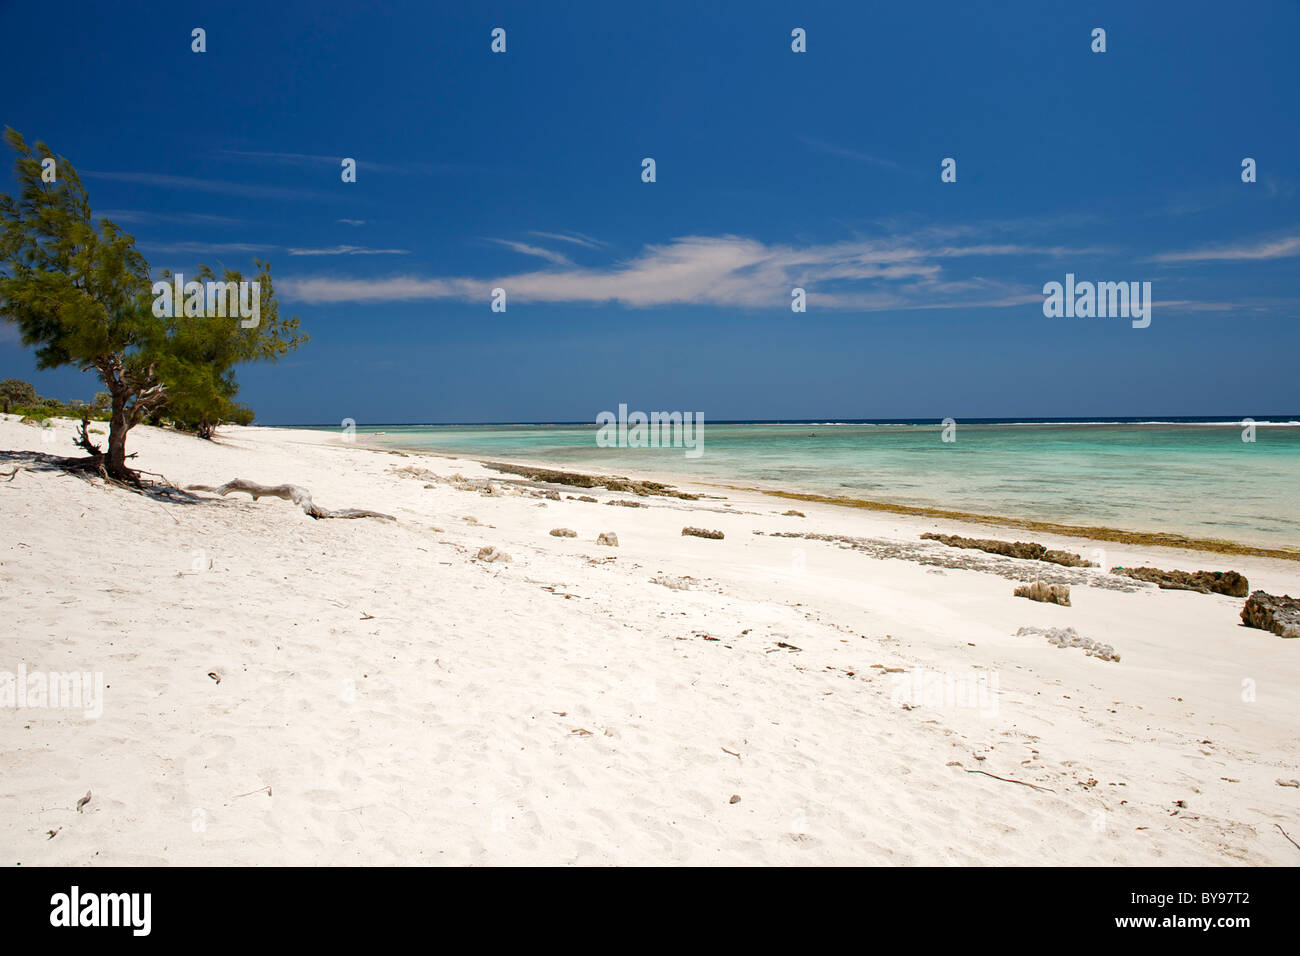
76,292
80,294
15,391
53,408
202,352
240,414
23,400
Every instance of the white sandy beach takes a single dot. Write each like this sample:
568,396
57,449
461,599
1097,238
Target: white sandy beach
382,697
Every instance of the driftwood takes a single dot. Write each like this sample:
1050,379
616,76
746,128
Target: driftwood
299,496
1009,780
1288,836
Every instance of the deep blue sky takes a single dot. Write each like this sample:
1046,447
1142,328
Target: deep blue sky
775,169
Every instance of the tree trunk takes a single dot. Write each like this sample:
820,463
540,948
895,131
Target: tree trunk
115,457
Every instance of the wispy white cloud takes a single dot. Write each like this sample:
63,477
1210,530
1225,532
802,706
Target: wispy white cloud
1250,251
283,159
349,251
833,150
188,218
206,248
351,222
1278,187
577,238
524,248
865,275
1188,305
192,184
316,159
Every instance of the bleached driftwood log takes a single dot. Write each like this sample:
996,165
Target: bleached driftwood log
299,496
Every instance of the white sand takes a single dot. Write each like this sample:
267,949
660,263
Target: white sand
405,703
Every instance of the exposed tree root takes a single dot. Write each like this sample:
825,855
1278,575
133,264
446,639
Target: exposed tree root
299,496
97,466
165,480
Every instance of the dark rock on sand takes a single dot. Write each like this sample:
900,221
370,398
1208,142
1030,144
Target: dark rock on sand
702,533
1028,550
1067,558
1008,568
578,480
1206,582
1268,612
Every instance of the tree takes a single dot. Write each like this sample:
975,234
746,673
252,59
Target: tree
17,392
80,294
203,351
240,414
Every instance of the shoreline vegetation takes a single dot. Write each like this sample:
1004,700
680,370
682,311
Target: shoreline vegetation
1158,539
80,294
577,479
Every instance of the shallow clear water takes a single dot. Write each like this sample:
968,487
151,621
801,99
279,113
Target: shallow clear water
1193,479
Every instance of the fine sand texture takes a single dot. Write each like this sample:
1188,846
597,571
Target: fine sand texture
462,686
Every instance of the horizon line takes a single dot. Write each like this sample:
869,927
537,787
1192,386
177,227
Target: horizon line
830,420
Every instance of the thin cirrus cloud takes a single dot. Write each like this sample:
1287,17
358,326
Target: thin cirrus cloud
577,238
865,275
192,184
527,249
205,248
1188,305
316,159
201,248
348,251
1271,249
144,218
832,150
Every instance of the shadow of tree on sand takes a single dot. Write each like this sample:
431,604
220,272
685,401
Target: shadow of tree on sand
14,462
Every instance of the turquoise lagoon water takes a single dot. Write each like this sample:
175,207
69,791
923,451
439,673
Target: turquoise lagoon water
1189,478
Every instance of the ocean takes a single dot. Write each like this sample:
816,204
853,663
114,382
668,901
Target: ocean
1191,476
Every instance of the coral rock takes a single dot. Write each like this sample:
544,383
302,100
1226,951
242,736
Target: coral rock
1268,612
1049,593
1206,582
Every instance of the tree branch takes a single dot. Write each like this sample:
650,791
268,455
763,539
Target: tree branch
83,440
